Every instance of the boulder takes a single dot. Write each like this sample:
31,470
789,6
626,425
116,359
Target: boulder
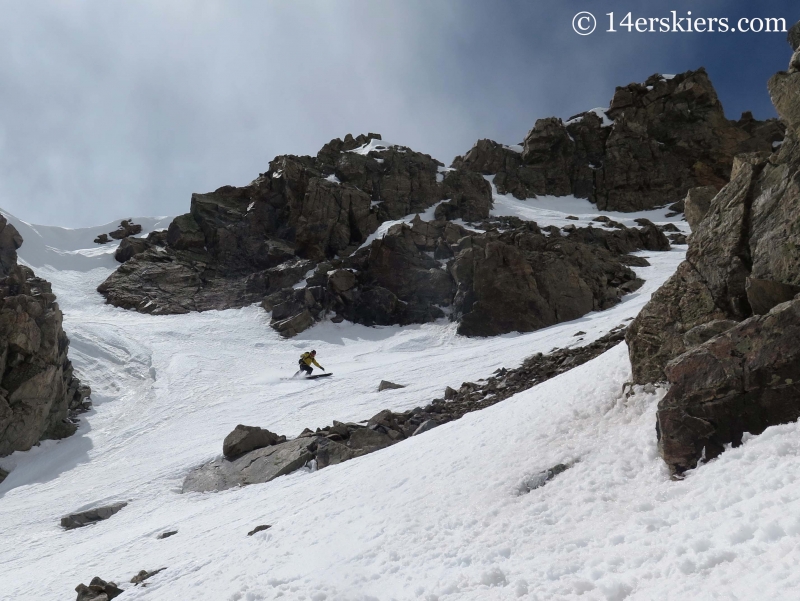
366,440
697,202
126,228
331,452
98,590
258,529
743,380
386,385
247,438
428,424
258,466
144,575
130,247
90,516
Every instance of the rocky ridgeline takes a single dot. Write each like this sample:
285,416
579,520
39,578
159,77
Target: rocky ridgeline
253,455
657,140
38,392
724,329
294,241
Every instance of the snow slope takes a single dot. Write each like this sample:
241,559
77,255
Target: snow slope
73,249
440,516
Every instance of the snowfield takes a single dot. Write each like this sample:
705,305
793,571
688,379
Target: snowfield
442,516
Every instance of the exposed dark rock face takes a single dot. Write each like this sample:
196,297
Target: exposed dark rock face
744,255
667,136
248,438
744,380
238,245
724,329
90,516
697,203
38,392
344,441
520,279
98,590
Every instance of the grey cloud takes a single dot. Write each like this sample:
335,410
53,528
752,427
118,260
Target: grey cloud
110,109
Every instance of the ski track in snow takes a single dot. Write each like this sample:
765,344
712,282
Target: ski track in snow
437,517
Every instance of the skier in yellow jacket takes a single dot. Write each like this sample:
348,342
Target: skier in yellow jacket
306,360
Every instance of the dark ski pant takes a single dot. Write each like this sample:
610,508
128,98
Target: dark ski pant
306,368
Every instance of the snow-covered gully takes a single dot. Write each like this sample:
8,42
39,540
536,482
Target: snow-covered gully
439,516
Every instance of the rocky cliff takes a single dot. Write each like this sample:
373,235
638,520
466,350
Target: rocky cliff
654,142
238,245
513,277
37,388
294,239
722,330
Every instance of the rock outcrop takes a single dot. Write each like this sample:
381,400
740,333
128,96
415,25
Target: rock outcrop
238,245
294,240
655,142
90,516
248,438
744,255
744,380
724,330
98,590
38,391
126,228
514,277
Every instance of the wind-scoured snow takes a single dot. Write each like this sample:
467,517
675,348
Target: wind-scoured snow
441,516
375,144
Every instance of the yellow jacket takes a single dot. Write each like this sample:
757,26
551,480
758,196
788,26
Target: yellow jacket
308,359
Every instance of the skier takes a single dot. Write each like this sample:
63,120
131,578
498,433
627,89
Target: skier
306,359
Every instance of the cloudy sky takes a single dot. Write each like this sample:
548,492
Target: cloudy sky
112,108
